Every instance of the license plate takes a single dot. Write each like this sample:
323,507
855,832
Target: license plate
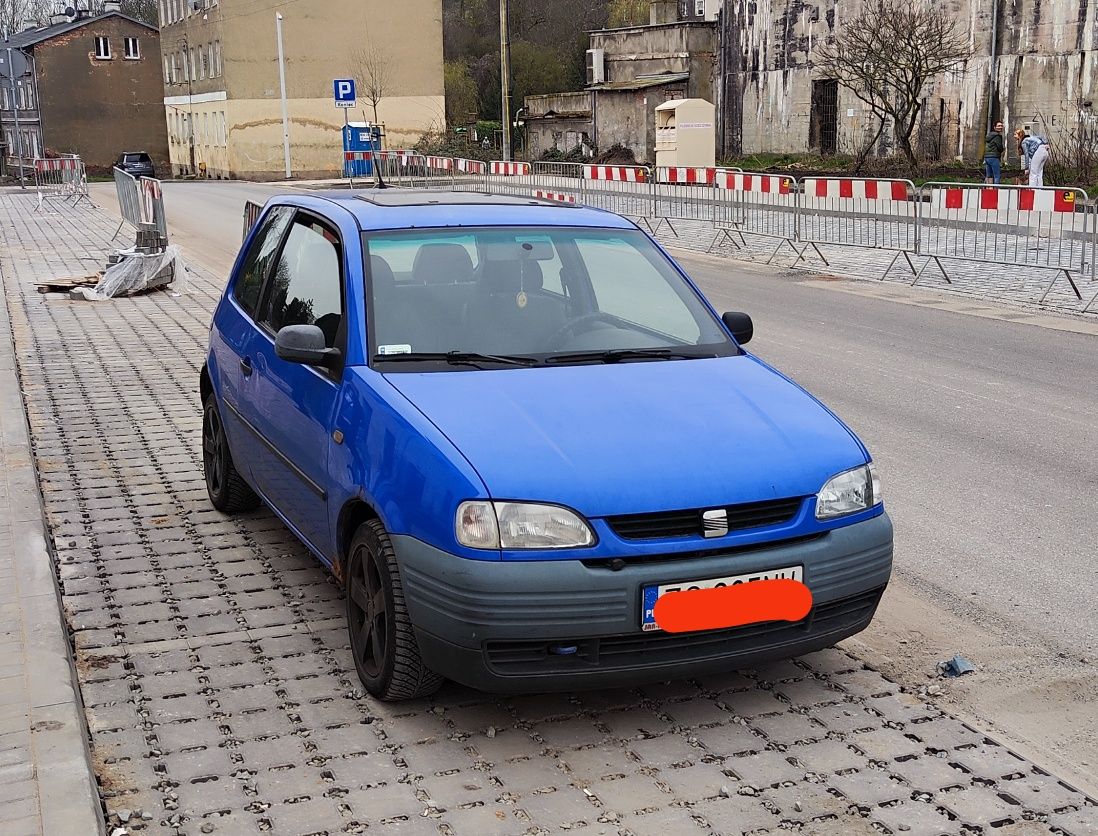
649,594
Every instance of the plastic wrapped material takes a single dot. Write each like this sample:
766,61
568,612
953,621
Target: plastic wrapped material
137,273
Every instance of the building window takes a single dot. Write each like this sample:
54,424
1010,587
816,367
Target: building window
186,67
133,48
102,47
217,58
205,63
208,55
699,8
5,102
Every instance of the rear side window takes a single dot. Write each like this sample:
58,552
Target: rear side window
138,158
258,261
306,288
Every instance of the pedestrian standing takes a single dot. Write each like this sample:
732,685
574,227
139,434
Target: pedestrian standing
993,154
1034,156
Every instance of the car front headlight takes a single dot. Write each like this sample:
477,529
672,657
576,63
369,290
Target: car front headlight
849,492
481,524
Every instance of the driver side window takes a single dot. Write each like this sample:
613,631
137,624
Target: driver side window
257,264
306,287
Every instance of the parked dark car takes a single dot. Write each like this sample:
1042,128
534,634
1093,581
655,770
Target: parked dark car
137,163
510,427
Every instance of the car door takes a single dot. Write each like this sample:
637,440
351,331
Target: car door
292,405
235,329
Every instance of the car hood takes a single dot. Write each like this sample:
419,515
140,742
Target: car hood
629,438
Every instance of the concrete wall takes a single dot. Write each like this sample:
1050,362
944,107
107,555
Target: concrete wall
678,48
322,40
1048,61
558,121
100,108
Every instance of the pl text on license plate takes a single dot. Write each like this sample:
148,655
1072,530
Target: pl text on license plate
649,594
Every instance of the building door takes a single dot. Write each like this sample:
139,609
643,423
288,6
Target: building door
823,129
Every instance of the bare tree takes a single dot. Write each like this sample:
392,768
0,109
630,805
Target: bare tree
14,13
886,54
373,67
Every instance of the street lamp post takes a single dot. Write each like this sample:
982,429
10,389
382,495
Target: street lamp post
188,65
282,89
505,77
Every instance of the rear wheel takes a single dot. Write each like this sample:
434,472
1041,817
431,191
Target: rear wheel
382,639
227,489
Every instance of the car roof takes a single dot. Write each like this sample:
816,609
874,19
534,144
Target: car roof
397,208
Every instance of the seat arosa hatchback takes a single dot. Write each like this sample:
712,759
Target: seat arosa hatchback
508,427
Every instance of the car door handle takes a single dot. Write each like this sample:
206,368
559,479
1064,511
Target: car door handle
246,366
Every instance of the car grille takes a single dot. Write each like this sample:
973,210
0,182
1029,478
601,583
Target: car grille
665,524
638,650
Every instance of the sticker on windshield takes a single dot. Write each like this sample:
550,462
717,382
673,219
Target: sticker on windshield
394,349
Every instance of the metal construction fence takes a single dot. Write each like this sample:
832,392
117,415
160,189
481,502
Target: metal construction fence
140,201
60,179
1017,225
1048,228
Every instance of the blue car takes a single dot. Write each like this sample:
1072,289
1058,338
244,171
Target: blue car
508,426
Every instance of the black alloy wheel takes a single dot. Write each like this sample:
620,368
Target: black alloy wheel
383,641
227,489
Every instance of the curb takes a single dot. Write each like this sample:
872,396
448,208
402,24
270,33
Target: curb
67,790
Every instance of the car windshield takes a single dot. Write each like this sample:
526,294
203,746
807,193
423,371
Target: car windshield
483,297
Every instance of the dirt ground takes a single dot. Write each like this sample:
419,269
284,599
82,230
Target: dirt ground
1031,698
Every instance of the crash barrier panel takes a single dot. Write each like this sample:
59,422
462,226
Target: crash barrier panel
152,204
470,175
758,204
624,189
129,199
559,179
439,172
252,211
559,197
879,214
1015,225
60,178
400,167
508,177
684,193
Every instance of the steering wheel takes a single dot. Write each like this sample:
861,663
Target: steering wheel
553,340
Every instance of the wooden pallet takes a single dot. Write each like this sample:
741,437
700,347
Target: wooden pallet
65,285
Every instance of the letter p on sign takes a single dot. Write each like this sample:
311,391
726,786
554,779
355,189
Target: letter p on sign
344,92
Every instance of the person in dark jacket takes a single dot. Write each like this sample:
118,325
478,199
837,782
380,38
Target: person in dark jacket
993,154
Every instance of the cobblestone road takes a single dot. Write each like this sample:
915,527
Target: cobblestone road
221,696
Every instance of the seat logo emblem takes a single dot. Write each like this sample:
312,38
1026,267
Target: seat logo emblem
715,522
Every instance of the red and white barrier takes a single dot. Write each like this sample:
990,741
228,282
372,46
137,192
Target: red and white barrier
58,164
470,166
617,173
440,163
509,169
560,197
993,199
687,176
833,188
735,181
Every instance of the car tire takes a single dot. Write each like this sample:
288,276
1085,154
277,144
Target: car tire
228,491
383,641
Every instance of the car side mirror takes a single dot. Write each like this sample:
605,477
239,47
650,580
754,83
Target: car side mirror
305,344
740,325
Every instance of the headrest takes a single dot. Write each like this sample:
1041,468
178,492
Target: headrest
381,274
442,264
511,276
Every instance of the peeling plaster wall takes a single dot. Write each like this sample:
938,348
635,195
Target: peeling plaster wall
1047,64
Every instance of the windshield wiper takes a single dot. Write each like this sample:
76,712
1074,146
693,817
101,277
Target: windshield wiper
456,358
616,355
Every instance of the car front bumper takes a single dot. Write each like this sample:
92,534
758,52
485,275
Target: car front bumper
491,624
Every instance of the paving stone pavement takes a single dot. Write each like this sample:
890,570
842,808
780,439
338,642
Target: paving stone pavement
221,695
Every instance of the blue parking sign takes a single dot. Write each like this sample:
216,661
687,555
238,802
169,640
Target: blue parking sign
344,90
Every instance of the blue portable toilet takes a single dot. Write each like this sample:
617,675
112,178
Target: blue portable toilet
358,138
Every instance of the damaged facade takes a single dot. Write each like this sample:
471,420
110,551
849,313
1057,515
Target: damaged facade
1035,66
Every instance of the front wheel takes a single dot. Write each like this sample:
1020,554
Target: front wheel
383,642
